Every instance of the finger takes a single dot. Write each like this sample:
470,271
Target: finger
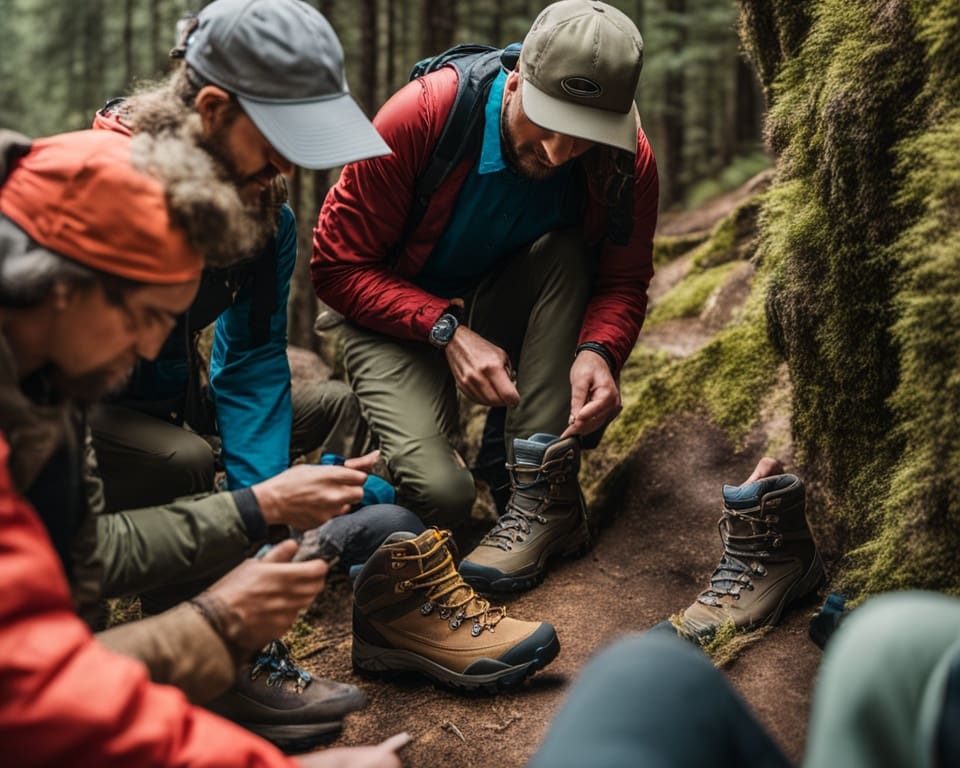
505,390
396,742
342,475
363,463
479,391
579,390
281,553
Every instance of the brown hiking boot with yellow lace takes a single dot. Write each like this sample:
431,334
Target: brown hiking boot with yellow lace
545,516
769,558
412,611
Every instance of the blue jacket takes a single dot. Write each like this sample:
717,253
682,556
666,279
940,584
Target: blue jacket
250,382
249,376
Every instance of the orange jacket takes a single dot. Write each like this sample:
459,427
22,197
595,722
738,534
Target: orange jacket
67,701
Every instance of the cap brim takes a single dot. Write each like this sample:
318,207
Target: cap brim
317,134
615,129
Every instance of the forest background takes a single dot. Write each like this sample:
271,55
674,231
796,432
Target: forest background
700,102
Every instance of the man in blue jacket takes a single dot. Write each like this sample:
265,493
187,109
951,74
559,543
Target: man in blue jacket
261,88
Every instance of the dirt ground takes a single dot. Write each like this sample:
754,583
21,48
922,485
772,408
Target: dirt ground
650,561
655,554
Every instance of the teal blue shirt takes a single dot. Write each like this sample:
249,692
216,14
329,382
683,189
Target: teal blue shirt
497,212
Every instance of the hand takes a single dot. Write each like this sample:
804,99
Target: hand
260,599
308,495
594,395
481,369
383,755
766,467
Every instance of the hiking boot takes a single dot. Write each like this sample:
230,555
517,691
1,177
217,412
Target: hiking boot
286,705
769,558
545,516
412,611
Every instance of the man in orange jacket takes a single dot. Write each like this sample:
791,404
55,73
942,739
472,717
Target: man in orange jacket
98,253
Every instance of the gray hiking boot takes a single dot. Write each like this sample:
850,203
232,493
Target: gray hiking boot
769,558
413,612
286,705
545,516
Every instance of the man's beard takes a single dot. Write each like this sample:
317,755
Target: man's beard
262,210
522,159
88,388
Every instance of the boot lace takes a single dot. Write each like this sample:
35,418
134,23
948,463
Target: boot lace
448,593
517,522
740,563
274,660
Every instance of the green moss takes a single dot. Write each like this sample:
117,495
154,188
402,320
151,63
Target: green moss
726,380
666,248
732,238
860,235
688,297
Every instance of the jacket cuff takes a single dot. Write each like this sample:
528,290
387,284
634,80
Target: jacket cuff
249,509
600,349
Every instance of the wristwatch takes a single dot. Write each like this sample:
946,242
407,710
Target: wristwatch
443,330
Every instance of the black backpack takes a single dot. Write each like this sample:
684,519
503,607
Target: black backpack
461,136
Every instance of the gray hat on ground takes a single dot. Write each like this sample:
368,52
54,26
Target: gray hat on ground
580,65
284,63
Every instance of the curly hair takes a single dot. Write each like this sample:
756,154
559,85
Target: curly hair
201,194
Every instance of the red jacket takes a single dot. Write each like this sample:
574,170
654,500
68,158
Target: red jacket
67,701
363,216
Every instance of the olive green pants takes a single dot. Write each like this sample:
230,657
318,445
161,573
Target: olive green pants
145,461
532,308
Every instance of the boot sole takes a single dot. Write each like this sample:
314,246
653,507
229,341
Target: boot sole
294,739
484,578
386,662
806,584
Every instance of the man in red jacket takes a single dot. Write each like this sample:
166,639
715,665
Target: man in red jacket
514,271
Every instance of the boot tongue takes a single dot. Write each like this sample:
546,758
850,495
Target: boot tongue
741,496
528,456
530,452
747,496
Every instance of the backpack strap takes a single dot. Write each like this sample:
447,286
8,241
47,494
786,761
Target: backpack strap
477,67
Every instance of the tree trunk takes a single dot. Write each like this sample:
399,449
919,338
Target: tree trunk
438,24
369,50
157,56
390,74
128,44
672,123
749,105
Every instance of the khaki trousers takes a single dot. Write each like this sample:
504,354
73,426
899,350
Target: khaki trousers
533,308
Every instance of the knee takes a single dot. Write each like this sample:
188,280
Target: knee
434,482
441,498
192,457
889,629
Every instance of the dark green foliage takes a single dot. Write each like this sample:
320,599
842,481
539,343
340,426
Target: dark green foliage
861,230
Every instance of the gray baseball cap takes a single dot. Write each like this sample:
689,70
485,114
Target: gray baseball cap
580,65
284,63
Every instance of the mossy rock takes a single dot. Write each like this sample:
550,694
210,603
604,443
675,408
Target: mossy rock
860,237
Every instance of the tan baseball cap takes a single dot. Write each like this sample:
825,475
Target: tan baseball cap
580,64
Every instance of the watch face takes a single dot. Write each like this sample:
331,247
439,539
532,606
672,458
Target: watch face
443,329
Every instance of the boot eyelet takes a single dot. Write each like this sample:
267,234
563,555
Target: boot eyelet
396,565
426,609
445,613
455,623
477,629
401,586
